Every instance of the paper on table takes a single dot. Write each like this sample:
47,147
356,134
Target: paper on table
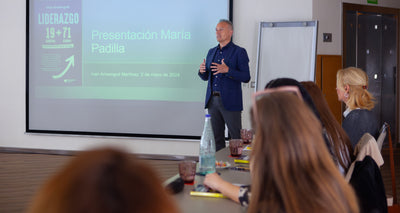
248,148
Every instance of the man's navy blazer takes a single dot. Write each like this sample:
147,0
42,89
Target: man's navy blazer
237,60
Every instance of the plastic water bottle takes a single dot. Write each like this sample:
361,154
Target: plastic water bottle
207,148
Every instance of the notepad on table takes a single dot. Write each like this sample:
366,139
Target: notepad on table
247,148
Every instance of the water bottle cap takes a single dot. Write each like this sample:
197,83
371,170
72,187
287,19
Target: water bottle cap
208,116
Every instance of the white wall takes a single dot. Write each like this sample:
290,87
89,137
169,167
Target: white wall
329,16
247,15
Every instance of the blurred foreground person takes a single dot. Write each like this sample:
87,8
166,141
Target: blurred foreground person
292,170
103,181
290,165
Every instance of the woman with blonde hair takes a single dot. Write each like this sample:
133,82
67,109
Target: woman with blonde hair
104,181
351,88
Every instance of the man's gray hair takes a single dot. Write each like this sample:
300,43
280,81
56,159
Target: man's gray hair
226,21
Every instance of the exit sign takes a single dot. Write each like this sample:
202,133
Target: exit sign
372,1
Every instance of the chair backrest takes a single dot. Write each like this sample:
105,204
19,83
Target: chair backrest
392,170
366,146
365,176
382,136
368,184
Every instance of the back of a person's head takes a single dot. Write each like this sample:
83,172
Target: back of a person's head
103,181
292,170
337,136
357,81
279,82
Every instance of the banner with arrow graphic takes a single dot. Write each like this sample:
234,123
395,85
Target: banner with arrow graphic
58,52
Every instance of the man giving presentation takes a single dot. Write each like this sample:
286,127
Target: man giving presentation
225,68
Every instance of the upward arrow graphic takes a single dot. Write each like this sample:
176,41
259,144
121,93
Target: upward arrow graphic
71,61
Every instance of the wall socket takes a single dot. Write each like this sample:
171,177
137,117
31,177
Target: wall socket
327,37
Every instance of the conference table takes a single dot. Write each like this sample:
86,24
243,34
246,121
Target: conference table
194,204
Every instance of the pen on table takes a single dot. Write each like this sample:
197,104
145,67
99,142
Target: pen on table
240,168
207,194
201,174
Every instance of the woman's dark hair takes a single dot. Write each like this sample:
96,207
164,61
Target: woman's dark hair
292,82
340,141
279,82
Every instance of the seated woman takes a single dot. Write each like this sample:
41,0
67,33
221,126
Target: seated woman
103,181
290,166
338,138
280,82
283,82
351,88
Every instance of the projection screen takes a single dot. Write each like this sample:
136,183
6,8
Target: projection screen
119,68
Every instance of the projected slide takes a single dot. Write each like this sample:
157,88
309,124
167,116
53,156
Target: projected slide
119,67
147,50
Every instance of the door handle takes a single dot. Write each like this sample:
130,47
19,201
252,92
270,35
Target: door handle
394,79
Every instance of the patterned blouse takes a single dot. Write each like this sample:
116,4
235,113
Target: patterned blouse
244,195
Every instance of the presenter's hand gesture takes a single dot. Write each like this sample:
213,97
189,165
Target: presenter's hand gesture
203,66
219,68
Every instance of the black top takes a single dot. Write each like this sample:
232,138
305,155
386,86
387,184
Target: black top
358,122
368,185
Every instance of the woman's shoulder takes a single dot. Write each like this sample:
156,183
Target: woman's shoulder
361,112
359,116
362,117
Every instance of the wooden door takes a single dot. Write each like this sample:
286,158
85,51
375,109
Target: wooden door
325,78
